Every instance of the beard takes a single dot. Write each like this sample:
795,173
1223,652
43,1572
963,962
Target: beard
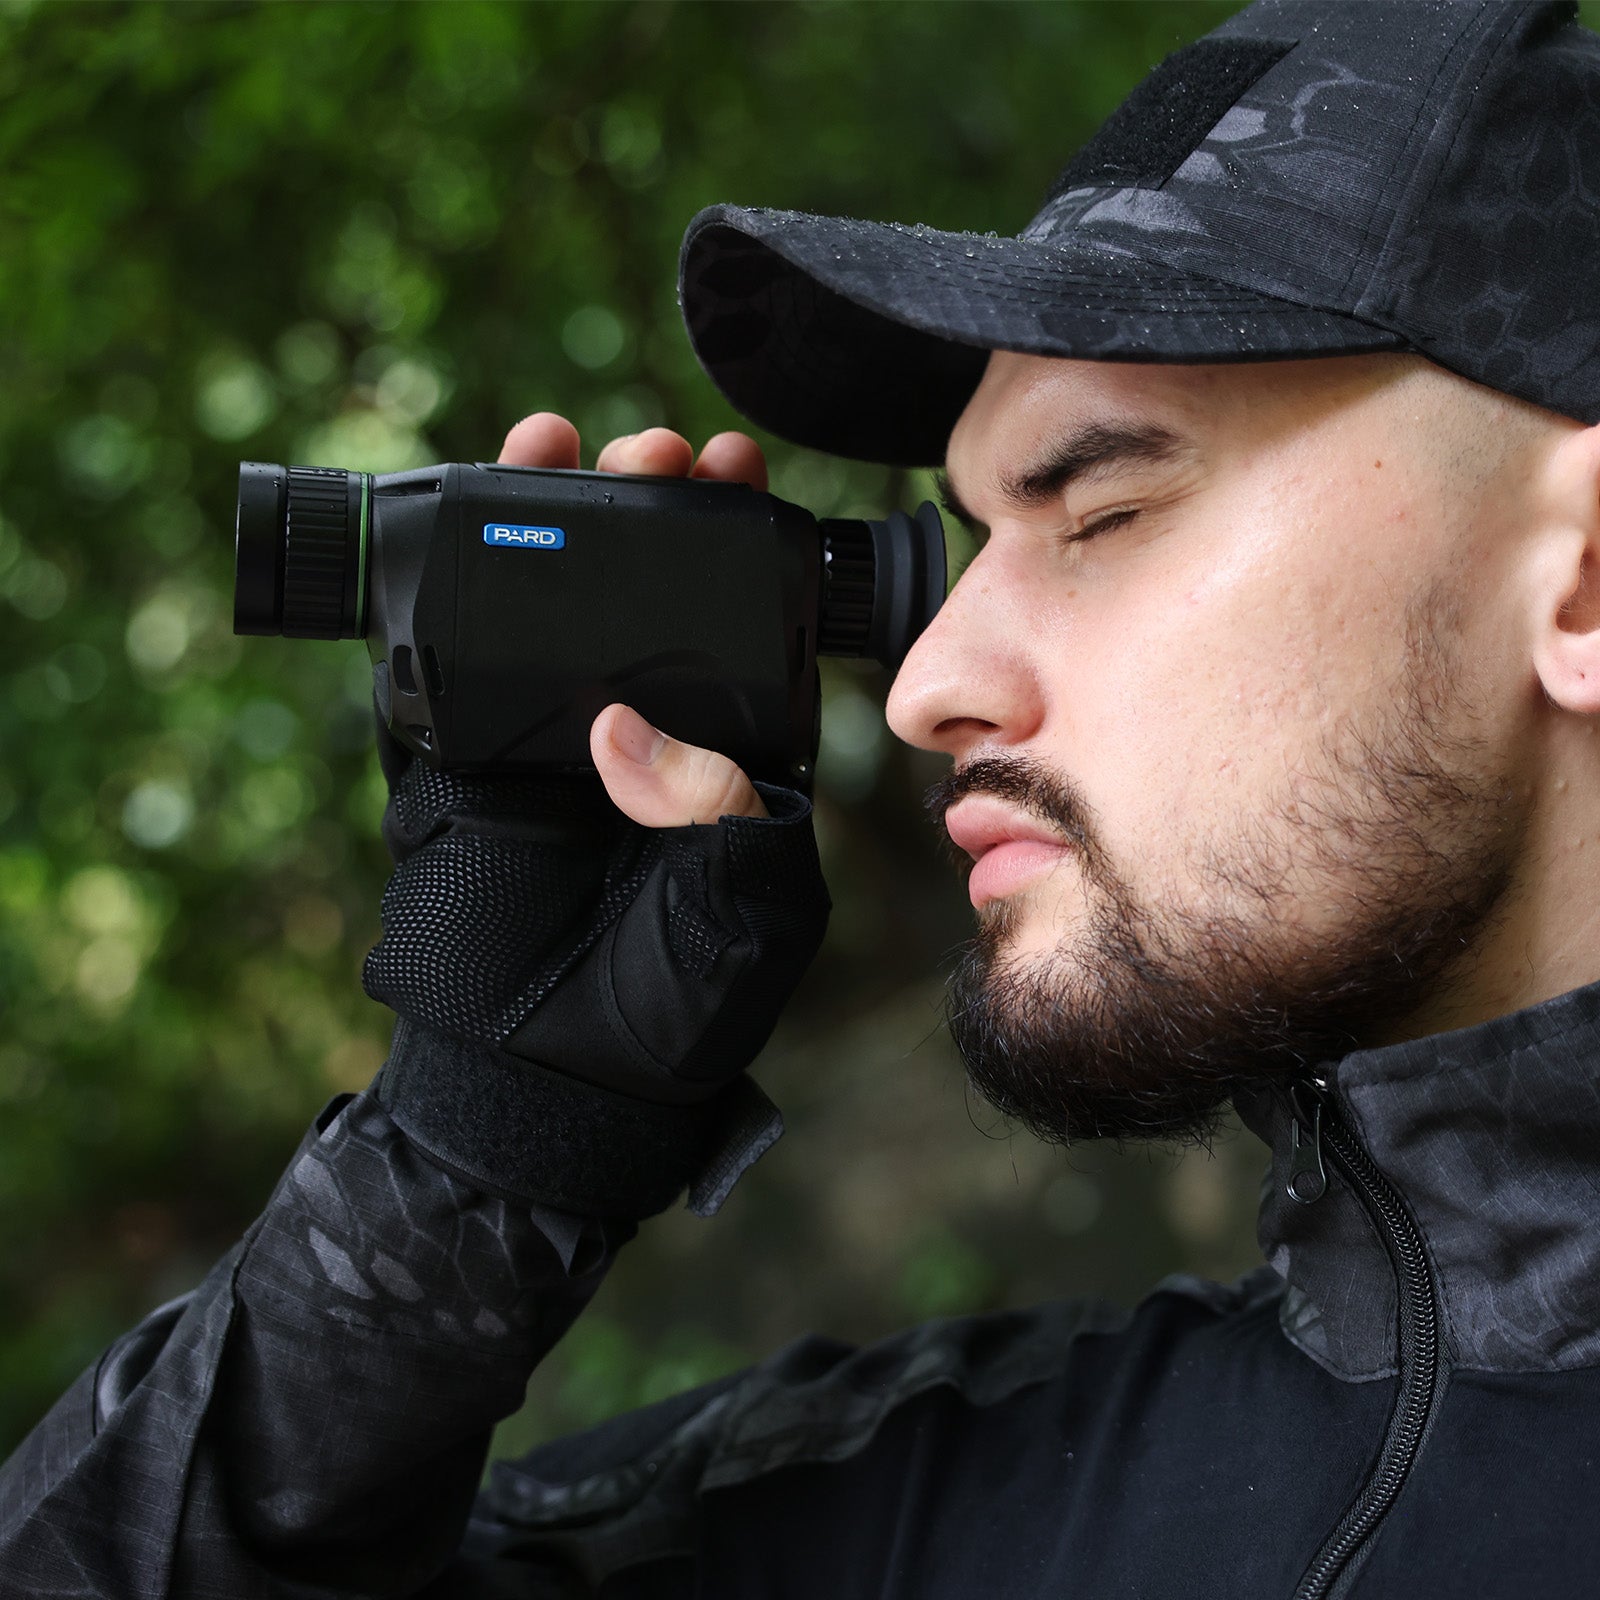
1149,1017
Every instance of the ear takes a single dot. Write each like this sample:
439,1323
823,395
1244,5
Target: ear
1567,641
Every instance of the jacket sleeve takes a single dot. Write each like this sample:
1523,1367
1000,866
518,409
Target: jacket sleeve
313,1419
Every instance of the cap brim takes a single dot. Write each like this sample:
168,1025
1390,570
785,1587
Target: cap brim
866,339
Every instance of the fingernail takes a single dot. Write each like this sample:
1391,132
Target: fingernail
636,739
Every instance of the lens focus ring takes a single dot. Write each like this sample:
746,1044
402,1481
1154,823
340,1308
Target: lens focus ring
316,552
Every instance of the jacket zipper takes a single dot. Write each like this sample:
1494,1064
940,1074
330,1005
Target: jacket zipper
1318,1123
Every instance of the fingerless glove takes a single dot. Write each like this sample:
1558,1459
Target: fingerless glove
579,995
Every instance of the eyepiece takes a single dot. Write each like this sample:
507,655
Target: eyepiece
300,551
881,584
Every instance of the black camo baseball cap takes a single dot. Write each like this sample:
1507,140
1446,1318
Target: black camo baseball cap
1310,179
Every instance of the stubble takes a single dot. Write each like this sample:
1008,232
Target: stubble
1323,922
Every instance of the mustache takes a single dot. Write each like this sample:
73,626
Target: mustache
1026,784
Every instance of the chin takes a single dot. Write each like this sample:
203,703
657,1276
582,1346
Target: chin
1032,924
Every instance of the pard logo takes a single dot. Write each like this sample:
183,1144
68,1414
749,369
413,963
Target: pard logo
506,533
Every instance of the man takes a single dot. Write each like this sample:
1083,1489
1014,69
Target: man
1271,700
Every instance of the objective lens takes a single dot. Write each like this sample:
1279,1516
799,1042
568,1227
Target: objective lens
300,551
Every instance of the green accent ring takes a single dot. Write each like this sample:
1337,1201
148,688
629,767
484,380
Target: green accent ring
361,556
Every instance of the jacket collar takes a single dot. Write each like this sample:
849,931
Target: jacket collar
1491,1135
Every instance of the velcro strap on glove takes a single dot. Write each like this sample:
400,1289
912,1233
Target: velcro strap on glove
525,1133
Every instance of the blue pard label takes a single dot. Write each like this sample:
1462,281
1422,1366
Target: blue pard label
515,537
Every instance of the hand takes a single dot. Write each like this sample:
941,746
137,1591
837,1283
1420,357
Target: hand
656,781
581,984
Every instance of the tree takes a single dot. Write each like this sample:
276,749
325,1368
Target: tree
373,236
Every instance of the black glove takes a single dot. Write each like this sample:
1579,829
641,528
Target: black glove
579,995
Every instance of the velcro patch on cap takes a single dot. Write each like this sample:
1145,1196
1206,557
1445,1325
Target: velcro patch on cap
1151,134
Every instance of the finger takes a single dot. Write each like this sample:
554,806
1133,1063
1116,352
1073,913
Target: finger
656,451
661,782
542,440
732,458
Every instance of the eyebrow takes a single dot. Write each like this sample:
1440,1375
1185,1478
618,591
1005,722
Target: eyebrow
1096,450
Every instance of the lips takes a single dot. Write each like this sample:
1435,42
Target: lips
1009,848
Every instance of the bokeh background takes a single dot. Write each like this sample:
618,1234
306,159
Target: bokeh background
372,236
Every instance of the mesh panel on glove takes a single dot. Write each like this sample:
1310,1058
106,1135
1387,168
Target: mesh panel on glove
423,802
477,928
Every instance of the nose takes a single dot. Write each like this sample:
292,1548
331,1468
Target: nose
969,679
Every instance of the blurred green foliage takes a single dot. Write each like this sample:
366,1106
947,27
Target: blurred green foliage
372,236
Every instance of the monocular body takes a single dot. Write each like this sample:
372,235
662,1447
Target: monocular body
504,607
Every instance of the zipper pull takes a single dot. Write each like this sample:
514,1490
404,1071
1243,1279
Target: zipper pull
1308,1178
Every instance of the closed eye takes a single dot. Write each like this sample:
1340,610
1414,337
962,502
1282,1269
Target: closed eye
1105,522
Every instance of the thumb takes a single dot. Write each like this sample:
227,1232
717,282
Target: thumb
661,782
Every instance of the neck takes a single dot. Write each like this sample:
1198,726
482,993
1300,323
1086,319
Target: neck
1543,940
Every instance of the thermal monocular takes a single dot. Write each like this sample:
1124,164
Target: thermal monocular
504,607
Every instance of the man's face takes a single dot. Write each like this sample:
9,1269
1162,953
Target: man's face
1235,713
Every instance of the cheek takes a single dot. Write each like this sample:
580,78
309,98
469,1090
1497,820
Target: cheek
1221,683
